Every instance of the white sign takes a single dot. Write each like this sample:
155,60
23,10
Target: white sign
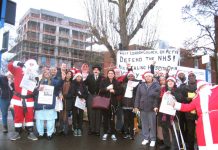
28,82
46,95
58,104
165,106
205,59
80,103
141,60
129,88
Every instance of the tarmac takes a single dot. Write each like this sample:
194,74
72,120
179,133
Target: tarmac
69,142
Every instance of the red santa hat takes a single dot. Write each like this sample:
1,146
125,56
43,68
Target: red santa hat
74,70
117,70
200,83
179,71
130,73
172,79
190,73
77,73
147,73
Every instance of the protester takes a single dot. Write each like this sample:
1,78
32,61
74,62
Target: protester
146,102
110,88
80,91
94,115
45,112
206,105
7,88
128,105
23,98
67,100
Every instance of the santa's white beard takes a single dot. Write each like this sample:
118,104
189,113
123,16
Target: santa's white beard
29,70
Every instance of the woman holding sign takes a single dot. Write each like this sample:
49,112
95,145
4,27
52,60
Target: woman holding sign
80,95
166,119
45,104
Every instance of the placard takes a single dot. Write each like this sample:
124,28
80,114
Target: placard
46,95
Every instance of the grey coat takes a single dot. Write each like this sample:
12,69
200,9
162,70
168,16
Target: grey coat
147,97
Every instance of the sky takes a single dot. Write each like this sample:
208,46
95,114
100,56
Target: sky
171,26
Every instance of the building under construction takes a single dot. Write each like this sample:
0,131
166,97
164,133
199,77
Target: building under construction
52,38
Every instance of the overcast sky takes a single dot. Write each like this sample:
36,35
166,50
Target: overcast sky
172,28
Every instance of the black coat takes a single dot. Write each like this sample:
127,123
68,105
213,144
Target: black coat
68,98
104,92
92,84
6,92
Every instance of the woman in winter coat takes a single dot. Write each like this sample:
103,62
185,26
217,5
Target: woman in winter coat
7,88
46,112
80,91
109,87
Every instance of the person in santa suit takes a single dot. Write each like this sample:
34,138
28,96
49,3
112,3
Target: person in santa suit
23,98
206,105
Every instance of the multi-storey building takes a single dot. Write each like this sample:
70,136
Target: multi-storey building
52,38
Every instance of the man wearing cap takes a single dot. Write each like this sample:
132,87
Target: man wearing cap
206,105
146,101
94,115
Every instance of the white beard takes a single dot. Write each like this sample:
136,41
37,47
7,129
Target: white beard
206,90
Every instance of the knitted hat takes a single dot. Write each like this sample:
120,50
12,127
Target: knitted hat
172,79
179,71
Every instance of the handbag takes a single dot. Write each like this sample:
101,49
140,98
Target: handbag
100,102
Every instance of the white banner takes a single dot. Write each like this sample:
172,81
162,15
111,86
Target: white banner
141,60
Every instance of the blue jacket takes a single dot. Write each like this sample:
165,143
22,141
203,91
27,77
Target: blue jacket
57,84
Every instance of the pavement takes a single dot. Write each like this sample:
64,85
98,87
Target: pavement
69,142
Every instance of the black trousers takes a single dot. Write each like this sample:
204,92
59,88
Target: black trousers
77,118
94,116
128,121
108,121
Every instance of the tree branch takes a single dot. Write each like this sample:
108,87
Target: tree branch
145,12
130,7
114,2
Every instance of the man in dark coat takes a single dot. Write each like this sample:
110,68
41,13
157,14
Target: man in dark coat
94,115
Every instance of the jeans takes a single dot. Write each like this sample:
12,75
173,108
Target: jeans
4,105
50,127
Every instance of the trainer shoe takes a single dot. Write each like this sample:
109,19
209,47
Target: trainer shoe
113,137
79,132
32,137
104,138
152,144
15,137
144,142
75,132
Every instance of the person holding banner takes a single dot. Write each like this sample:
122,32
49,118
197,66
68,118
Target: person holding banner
206,105
146,102
45,104
80,95
165,118
25,81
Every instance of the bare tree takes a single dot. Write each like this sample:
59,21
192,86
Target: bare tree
205,14
115,22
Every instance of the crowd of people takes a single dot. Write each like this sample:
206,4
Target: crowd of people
129,98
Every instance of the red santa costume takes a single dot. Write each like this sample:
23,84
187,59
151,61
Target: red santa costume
22,100
206,105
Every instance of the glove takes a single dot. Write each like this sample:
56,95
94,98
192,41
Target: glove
80,96
20,64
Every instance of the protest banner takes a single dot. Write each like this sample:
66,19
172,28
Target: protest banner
141,60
